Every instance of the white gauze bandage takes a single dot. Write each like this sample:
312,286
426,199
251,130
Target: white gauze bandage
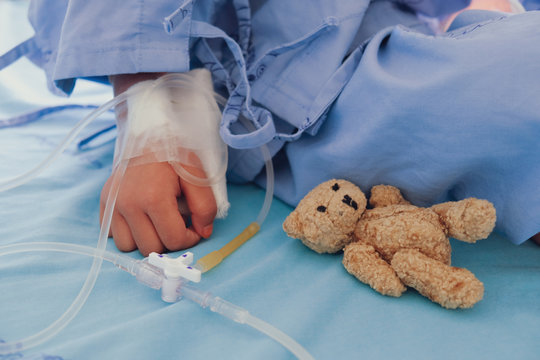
176,119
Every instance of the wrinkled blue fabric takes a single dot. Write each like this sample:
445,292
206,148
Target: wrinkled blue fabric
79,39
442,117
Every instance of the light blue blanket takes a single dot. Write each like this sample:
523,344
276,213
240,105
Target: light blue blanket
309,296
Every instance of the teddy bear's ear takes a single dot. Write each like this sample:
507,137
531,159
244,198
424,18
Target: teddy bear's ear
292,225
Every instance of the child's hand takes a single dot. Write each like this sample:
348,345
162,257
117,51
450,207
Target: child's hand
146,214
493,5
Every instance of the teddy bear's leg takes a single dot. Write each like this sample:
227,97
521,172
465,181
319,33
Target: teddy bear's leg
362,261
467,220
449,286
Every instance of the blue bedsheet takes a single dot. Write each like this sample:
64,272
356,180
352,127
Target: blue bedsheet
308,296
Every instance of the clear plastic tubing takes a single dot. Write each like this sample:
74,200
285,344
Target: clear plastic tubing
32,173
242,316
77,304
80,300
269,179
144,274
120,168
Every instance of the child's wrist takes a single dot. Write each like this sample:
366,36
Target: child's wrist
122,82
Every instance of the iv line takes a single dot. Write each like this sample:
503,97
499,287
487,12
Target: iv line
214,258
120,168
153,277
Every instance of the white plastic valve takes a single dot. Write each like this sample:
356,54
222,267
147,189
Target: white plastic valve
175,271
176,268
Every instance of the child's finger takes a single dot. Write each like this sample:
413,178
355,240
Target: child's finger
201,203
144,233
121,233
200,199
171,227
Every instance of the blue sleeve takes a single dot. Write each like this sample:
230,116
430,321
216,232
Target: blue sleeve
98,38
435,8
531,5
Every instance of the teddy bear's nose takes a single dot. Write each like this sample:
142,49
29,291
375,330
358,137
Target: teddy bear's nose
349,201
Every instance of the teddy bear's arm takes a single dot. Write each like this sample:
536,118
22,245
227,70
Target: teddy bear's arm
467,220
449,286
385,195
362,261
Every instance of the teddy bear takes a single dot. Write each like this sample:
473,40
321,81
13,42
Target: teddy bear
394,244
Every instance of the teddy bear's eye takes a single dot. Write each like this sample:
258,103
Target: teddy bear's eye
349,201
321,208
335,187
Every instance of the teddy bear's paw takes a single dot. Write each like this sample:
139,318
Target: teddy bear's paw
363,262
449,286
325,218
467,220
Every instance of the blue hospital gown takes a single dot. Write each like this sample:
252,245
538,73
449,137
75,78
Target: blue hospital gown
352,89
